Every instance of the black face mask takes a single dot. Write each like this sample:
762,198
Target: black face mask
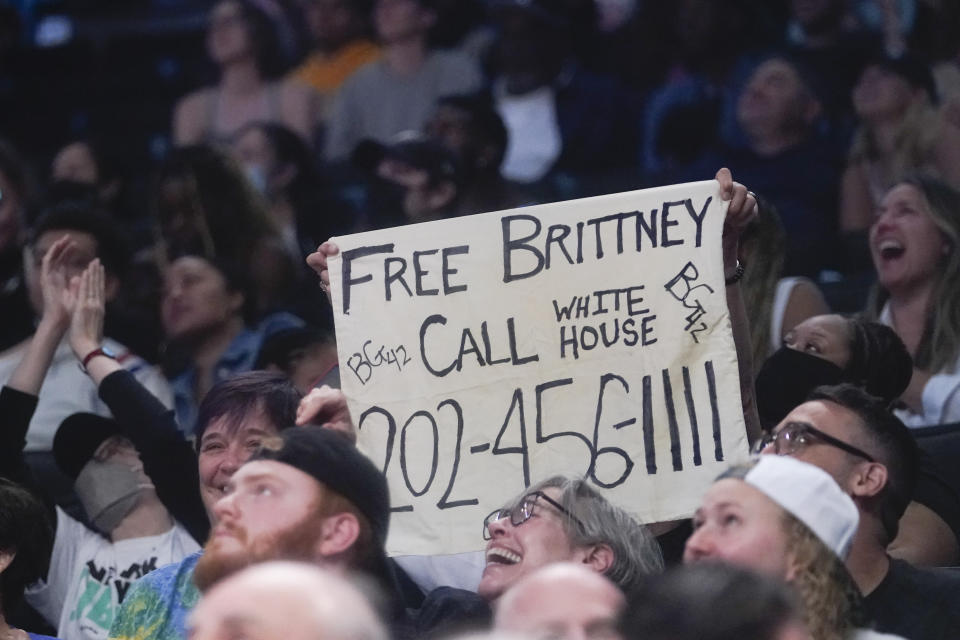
385,202
785,380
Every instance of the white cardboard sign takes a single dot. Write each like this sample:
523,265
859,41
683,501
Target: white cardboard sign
589,337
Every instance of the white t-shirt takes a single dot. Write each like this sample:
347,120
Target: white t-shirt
535,141
940,396
781,297
90,575
870,634
67,390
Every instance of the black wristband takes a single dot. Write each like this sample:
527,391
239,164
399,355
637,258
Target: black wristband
737,274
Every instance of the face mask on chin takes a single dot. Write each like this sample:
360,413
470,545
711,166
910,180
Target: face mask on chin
786,379
108,491
257,176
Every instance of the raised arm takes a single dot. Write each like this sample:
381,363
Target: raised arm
18,399
168,458
743,209
57,300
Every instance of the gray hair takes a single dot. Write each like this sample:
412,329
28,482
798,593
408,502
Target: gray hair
636,552
738,471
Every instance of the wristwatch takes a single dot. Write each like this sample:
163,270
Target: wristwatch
107,352
737,274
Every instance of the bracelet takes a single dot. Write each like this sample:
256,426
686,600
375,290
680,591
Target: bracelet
99,351
737,274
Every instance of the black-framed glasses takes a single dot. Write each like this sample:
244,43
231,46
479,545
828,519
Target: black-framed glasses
523,511
795,436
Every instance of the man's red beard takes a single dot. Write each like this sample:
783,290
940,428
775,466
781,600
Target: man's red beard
296,542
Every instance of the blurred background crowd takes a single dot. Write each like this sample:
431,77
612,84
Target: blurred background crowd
817,105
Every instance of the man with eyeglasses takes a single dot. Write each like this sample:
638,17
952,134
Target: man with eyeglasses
852,436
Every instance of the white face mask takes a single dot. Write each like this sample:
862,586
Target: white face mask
257,176
108,491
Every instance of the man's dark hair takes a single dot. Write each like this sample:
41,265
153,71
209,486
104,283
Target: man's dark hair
282,348
708,601
239,396
78,215
486,123
808,76
108,159
25,530
895,447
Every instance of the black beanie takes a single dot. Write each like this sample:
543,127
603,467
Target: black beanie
78,437
327,456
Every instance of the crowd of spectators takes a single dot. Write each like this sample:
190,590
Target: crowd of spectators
162,327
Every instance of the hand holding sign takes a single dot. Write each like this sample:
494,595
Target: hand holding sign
326,407
318,262
740,212
588,337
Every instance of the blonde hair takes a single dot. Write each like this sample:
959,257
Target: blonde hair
940,343
830,599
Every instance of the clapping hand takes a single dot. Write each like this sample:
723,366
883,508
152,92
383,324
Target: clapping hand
88,308
56,285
